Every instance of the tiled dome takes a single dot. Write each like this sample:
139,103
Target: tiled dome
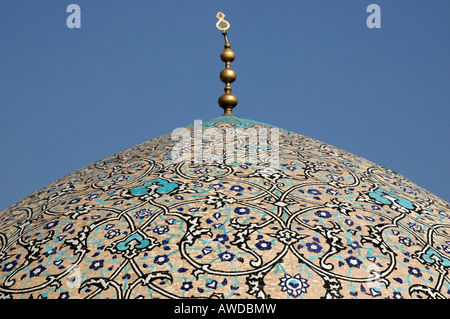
325,223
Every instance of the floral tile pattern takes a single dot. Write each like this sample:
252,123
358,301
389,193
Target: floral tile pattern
325,224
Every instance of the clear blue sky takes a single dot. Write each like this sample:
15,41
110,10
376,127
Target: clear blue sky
136,70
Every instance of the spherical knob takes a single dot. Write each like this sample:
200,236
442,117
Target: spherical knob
227,55
228,100
227,76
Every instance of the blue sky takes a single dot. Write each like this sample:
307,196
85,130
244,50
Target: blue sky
136,70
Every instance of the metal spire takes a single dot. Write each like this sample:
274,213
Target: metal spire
227,101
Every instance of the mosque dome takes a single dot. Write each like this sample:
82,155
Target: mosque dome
299,219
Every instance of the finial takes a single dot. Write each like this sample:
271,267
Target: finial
227,101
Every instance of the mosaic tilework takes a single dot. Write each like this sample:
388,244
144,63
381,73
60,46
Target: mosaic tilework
326,224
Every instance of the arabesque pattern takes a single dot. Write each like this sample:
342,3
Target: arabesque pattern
326,223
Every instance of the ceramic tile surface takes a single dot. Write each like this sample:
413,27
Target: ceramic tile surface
324,224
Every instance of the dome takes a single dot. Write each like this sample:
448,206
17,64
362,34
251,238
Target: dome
325,223
228,208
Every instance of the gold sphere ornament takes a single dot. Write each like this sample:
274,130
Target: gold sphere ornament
228,76
228,101
227,55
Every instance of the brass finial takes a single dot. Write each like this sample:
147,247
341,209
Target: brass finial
227,101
